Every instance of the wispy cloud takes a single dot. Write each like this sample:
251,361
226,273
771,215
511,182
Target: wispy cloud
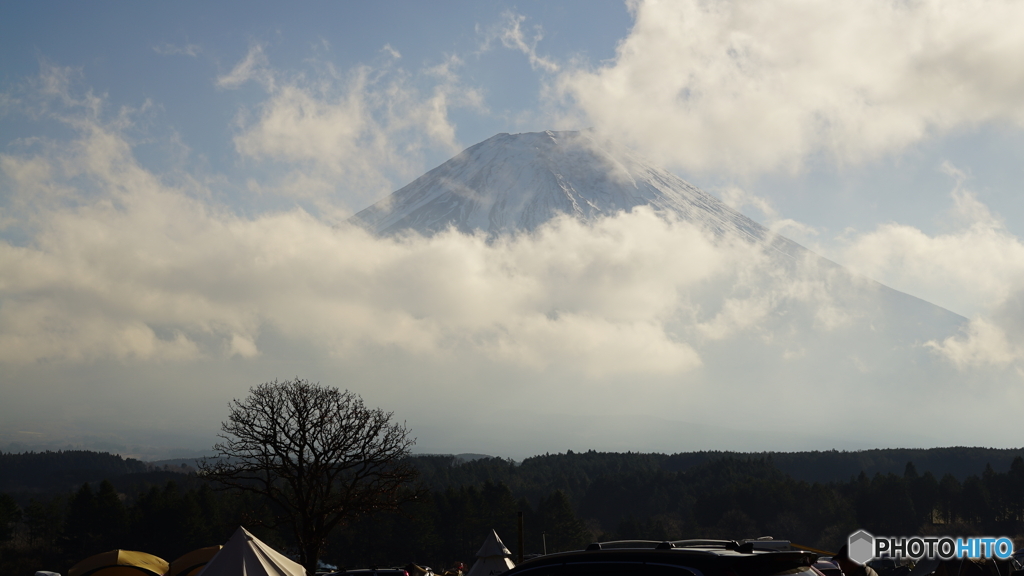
512,36
360,127
976,268
254,67
972,269
742,201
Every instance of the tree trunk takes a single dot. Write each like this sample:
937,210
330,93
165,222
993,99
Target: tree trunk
311,556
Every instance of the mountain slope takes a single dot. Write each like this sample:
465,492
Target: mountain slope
754,334
515,182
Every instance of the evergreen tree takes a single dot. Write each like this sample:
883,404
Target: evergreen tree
9,514
924,491
975,504
80,534
1015,489
558,521
44,522
949,498
111,519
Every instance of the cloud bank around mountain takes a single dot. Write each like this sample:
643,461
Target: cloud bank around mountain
129,293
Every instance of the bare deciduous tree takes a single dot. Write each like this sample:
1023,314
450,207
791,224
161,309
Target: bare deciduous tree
317,454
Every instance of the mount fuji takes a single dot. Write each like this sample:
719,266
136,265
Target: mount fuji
517,182
787,322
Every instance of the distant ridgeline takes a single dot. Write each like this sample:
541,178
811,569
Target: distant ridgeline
61,470
838,466
826,466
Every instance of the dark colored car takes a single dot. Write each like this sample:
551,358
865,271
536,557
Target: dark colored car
372,571
828,567
889,567
679,558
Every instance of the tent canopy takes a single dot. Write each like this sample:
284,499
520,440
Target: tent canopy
120,563
493,546
492,558
190,564
247,555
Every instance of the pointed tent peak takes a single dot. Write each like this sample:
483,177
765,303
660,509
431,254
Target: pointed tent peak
247,555
493,546
492,559
242,535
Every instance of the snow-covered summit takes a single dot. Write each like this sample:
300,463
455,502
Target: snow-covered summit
514,182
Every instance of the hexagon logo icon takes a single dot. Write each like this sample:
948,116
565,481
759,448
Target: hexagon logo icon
861,546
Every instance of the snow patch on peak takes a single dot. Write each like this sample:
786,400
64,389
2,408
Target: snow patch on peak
517,182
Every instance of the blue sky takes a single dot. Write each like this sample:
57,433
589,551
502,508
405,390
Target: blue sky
172,56
182,137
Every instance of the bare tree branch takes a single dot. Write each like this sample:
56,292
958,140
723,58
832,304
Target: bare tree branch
318,454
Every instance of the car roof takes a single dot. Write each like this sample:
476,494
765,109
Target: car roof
367,571
699,554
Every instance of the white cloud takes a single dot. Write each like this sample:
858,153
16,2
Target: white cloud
160,296
390,51
740,200
971,269
758,86
982,343
139,269
510,34
975,269
991,340
254,67
356,132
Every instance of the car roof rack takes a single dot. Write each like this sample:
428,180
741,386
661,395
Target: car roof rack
745,547
616,544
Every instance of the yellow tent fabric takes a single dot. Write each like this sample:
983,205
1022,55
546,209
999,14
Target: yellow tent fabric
120,563
190,564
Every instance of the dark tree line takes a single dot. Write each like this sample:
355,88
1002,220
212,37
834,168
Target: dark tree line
567,500
55,532
41,472
449,526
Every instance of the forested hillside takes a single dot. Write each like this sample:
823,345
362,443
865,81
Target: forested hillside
569,470
91,502
41,472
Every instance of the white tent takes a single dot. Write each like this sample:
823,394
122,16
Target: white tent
492,558
247,555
